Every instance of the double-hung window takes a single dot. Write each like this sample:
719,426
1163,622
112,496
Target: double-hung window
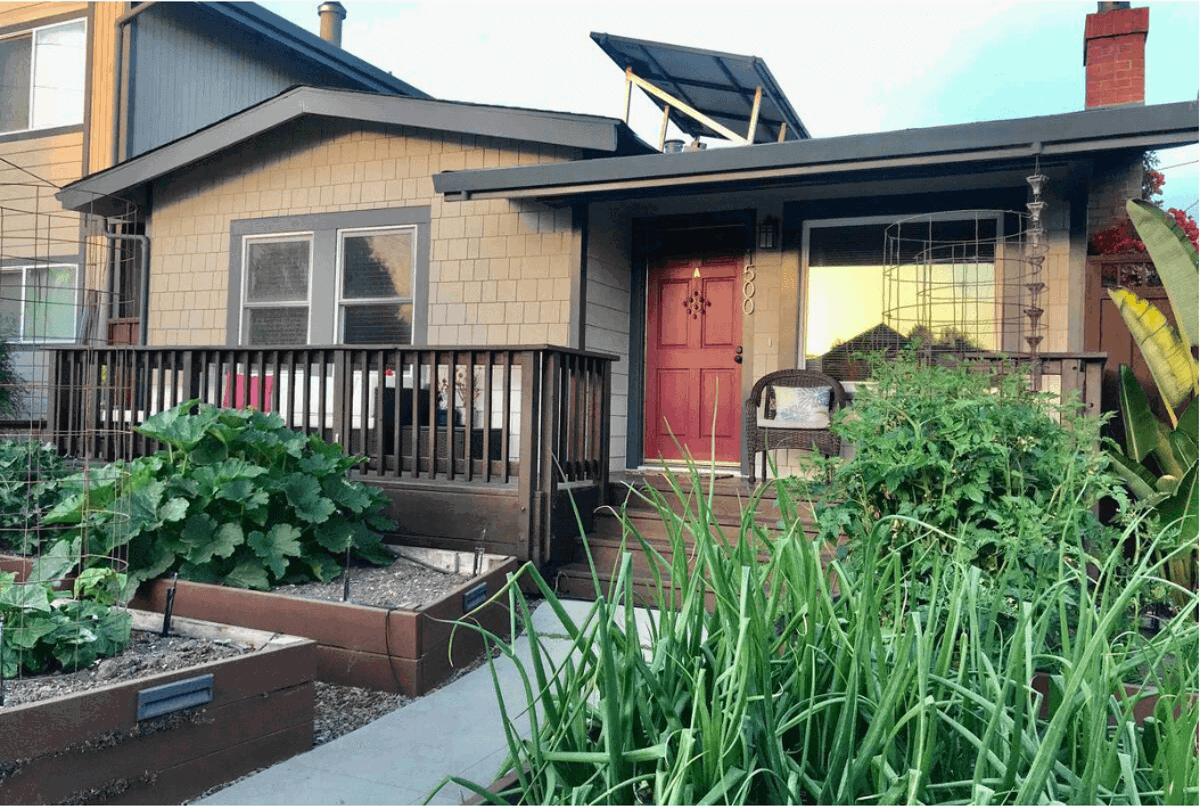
330,278
42,77
38,303
276,289
376,285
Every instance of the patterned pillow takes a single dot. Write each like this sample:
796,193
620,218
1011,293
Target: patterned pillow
806,407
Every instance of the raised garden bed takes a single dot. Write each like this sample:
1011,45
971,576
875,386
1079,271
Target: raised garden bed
390,649
92,747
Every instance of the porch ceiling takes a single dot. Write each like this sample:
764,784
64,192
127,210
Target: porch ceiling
939,149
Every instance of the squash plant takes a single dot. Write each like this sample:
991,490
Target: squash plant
235,497
43,630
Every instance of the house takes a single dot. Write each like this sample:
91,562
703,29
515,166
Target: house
88,85
560,289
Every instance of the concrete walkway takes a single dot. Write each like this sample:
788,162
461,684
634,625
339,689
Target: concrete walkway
401,757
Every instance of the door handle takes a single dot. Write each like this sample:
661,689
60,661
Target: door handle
737,357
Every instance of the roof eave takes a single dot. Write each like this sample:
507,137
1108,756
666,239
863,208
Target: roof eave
1162,126
575,131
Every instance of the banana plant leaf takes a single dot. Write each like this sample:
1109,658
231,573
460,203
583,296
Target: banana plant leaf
1183,504
1140,480
1175,261
1141,426
1169,359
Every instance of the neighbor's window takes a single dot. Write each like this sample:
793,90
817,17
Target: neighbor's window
37,303
275,309
376,285
42,77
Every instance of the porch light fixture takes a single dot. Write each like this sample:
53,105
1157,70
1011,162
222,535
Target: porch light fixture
768,233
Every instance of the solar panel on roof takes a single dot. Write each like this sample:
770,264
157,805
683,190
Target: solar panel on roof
721,86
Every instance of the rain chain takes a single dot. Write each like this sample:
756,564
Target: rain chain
1035,250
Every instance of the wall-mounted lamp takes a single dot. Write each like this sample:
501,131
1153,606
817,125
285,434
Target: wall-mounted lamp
768,233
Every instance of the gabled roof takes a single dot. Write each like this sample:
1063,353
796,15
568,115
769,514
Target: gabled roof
126,180
256,19
1048,136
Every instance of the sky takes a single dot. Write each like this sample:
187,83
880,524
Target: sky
846,67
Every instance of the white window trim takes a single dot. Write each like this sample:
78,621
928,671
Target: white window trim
33,32
819,223
339,269
280,237
23,269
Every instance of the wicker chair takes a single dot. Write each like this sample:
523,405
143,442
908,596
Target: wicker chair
766,438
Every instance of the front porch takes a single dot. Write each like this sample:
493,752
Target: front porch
492,447
475,446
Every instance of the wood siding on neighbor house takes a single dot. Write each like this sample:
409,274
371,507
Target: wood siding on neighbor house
171,46
30,15
500,272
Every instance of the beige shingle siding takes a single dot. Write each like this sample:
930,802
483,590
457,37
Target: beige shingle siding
486,257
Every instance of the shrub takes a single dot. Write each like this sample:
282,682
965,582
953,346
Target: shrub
969,463
30,475
756,684
43,631
235,497
12,385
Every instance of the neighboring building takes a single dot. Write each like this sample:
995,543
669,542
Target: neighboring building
87,85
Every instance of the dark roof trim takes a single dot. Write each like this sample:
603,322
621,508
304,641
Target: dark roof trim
1071,133
266,23
554,128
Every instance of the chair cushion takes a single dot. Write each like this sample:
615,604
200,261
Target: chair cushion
796,407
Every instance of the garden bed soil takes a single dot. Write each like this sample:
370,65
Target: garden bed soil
90,746
380,645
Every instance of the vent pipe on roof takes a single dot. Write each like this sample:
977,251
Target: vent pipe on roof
332,14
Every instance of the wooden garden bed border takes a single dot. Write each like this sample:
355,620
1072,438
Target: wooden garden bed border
397,650
90,745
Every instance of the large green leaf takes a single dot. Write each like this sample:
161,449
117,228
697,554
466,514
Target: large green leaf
1175,261
1184,504
248,574
178,427
275,546
1141,426
1140,480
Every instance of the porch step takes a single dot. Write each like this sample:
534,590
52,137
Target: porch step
611,536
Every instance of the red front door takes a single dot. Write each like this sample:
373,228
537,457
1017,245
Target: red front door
693,371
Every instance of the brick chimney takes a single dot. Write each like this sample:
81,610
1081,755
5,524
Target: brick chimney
1114,53
331,15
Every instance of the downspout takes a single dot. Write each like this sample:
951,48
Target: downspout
144,265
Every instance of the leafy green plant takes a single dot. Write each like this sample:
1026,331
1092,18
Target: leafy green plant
966,460
751,681
12,385
1159,459
44,631
235,497
30,473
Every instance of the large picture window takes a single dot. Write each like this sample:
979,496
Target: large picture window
38,303
856,300
42,77
335,278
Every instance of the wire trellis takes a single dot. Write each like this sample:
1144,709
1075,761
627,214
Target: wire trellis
64,279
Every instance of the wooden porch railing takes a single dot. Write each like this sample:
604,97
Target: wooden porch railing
529,416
